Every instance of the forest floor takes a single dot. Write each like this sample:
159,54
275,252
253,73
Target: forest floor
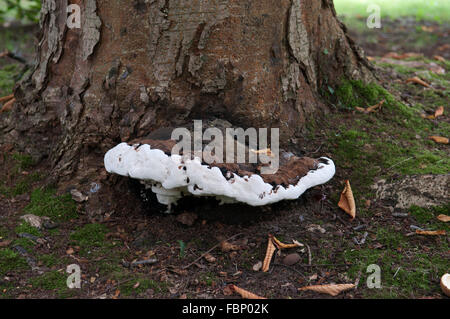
378,148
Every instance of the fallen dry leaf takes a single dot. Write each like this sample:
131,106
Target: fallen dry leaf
244,293
6,98
269,253
439,139
372,108
444,47
439,111
136,285
281,245
430,232
394,55
226,246
332,290
439,58
70,251
8,106
444,218
347,201
417,80
209,258
427,28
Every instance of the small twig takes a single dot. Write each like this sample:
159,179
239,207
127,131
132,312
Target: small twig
210,250
309,254
401,162
396,272
318,148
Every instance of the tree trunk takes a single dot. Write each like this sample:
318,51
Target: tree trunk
136,66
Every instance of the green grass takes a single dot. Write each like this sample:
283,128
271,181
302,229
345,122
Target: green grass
7,78
91,237
44,202
438,10
11,261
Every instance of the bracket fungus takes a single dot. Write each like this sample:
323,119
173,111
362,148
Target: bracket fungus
171,177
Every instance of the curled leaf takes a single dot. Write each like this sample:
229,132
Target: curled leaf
417,80
281,245
439,111
6,98
245,293
439,58
332,290
430,232
269,253
444,218
8,105
439,139
347,201
372,108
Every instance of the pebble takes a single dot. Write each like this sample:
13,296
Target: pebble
291,259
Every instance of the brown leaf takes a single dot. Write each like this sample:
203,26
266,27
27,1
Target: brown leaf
439,111
444,218
417,80
8,106
372,108
430,232
228,290
226,246
281,245
269,253
439,58
69,251
244,293
347,201
439,139
136,285
332,290
6,98
209,258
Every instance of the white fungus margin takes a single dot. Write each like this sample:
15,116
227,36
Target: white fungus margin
172,177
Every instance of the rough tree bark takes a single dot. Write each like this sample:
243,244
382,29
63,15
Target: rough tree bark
135,66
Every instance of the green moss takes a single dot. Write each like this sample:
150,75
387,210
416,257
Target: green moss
44,202
53,280
427,217
24,161
11,261
90,236
7,78
28,229
49,260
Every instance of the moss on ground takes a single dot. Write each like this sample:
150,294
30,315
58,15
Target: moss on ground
8,74
91,237
44,202
55,282
11,261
